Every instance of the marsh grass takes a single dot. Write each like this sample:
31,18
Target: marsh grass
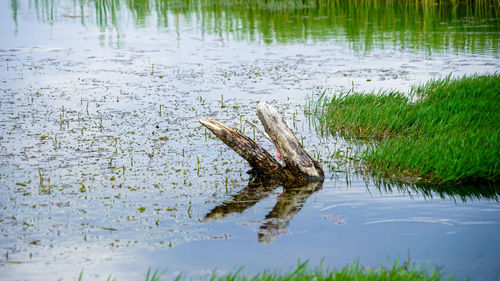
444,131
350,272
398,271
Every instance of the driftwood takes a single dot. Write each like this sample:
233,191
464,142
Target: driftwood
262,162
296,159
299,167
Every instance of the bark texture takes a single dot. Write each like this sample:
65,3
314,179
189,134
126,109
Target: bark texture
299,168
297,160
260,160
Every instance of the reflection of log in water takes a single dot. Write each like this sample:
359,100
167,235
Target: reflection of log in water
257,189
288,204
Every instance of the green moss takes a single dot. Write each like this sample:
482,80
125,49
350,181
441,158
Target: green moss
444,131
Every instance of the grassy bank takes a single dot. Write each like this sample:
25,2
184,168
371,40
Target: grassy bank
403,272
444,131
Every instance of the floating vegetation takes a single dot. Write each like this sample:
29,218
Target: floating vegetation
109,163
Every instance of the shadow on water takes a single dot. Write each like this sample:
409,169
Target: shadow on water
293,198
289,203
345,160
431,26
463,192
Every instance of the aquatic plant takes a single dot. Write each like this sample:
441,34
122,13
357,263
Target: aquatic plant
355,271
444,131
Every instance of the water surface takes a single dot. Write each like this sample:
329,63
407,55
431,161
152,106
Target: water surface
104,167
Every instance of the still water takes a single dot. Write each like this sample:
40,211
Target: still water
104,167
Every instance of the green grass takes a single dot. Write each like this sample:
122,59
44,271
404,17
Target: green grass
444,131
403,272
351,272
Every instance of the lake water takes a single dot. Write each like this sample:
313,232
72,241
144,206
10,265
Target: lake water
105,168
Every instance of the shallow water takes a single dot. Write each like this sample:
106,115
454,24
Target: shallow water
104,167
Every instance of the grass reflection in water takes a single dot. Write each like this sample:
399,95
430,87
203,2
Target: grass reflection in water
430,26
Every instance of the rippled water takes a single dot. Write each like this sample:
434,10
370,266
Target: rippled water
104,167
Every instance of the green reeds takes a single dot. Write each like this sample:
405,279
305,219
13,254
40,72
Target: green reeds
350,272
403,272
444,131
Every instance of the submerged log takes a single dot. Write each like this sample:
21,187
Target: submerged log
299,167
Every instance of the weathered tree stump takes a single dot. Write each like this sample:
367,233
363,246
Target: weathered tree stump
299,167
297,161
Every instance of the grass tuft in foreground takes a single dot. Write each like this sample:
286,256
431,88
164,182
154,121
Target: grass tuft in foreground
403,272
444,131
350,272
